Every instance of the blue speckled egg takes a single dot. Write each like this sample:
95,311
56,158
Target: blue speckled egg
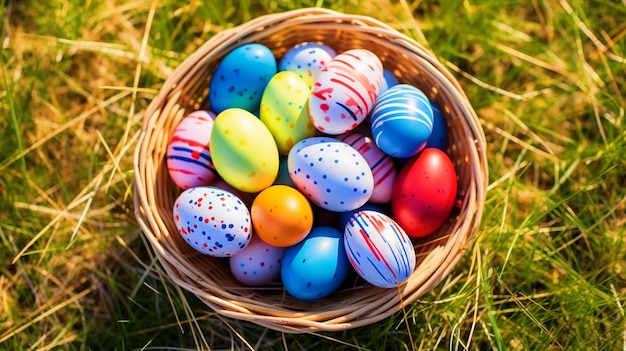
307,60
402,121
213,221
379,249
439,136
317,266
330,173
240,78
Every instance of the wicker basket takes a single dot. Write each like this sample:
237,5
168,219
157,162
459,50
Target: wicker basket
355,305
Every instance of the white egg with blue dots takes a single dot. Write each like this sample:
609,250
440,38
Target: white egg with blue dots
331,173
213,221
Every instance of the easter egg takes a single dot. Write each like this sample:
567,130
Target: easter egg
389,80
424,193
317,266
344,93
307,60
241,77
243,150
381,165
213,221
188,155
281,216
285,112
330,173
378,249
402,121
439,137
258,263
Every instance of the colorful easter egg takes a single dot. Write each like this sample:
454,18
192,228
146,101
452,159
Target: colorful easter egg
439,136
330,173
402,121
307,60
241,77
213,221
285,111
381,165
243,150
317,266
188,155
378,249
281,216
258,263
424,193
344,93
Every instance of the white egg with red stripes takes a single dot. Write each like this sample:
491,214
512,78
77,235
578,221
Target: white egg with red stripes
378,249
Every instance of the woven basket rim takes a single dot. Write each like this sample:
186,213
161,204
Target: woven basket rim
172,103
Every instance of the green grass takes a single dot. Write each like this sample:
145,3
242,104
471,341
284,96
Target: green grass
547,271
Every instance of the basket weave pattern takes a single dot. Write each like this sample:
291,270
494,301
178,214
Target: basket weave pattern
358,303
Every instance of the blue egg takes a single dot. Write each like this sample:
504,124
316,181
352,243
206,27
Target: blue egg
389,80
402,121
439,137
317,266
240,78
344,217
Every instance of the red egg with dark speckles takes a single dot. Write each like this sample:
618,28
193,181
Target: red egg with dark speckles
424,193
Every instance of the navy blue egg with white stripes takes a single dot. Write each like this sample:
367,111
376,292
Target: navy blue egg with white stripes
402,121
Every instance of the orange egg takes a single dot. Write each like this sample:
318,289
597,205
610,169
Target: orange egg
281,216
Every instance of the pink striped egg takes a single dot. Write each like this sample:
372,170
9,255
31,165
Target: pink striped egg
189,160
378,249
345,91
381,164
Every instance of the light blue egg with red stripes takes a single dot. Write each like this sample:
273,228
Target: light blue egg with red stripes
378,249
189,160
402,121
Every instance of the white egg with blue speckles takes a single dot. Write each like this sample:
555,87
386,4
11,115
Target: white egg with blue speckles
330,173
213,221
307,60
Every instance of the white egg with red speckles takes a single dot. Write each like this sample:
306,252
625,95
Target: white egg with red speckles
213,221
259,263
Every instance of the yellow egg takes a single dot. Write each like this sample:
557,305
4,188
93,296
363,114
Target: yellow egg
284,110
243,150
